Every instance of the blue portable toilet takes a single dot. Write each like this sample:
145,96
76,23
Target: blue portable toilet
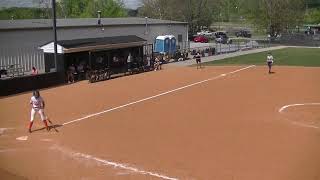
162,44
173,43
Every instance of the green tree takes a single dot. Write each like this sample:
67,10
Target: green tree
313,3
275,15
198,13
159,9
67,9
20,13
89,8
108,8
313,16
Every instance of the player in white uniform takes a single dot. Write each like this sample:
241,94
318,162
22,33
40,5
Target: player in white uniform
269,61
37,105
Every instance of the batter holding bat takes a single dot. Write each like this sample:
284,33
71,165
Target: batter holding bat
37,106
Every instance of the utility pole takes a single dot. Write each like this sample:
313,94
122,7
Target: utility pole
54,18
228,10
146,28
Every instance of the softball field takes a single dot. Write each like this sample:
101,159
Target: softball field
217,123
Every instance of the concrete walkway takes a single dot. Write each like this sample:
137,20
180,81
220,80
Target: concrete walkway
224,56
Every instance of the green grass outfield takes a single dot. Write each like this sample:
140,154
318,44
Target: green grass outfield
308,57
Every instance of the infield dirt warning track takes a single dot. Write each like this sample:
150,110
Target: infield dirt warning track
217,123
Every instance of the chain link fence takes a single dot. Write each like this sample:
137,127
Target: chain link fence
234,46
297,39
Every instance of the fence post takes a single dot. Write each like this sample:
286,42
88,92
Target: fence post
238,46
25,59
41,61
1,58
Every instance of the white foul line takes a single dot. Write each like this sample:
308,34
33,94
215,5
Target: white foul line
304,125
110,163
293,105
155,96
297,123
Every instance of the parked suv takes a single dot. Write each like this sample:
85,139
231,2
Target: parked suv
243,33
220,33
221,37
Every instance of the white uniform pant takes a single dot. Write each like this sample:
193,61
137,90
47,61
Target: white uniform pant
40,111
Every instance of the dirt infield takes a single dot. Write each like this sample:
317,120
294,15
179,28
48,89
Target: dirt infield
217,123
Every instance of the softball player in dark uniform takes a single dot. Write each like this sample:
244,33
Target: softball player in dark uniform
198,60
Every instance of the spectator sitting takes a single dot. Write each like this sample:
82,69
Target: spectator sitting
34,71
166,58
80,68
81,71
181,57
186,55
73,69
3,72
115,59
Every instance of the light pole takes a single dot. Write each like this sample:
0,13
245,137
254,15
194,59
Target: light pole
99,17
54,18
146,30
228,10
220,22
237,12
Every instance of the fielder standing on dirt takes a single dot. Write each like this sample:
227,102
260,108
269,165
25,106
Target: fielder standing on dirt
270,62
198,60
37,106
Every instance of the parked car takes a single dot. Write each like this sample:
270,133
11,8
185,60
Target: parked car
205,33
243,33
223,39
201,39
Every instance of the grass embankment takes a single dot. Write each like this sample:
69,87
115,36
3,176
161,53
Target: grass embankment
308,57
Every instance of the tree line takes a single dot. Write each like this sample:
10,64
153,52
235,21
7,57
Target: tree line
67,9
274,16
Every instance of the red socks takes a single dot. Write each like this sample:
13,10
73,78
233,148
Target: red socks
30,125
46,124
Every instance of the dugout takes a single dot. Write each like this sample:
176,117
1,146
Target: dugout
95,53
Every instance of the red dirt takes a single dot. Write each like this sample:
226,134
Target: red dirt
224,129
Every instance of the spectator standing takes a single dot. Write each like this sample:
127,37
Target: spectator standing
34,71
157,64
129,61
70,73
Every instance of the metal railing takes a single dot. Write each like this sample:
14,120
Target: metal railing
25,57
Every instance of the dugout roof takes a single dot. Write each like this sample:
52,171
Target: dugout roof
94,44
